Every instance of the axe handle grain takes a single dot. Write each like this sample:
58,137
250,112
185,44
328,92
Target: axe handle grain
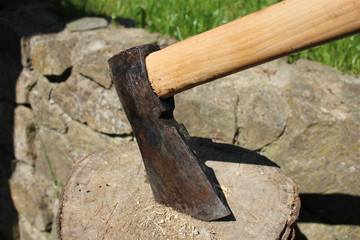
286,27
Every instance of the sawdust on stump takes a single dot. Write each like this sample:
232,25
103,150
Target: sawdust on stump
108,197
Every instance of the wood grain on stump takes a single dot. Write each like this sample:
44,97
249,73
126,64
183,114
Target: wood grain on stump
108,197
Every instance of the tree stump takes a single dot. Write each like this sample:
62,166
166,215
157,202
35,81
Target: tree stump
108,196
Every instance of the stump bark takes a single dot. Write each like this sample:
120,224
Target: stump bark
108,197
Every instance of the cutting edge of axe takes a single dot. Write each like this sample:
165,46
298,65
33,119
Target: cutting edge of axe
146,78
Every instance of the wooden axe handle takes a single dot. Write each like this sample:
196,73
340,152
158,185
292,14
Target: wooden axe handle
283,28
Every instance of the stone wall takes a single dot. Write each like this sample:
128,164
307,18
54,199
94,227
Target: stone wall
305,117
67,108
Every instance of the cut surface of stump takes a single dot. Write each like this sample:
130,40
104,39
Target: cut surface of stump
108,196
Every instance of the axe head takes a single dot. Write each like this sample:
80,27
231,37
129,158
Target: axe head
176,175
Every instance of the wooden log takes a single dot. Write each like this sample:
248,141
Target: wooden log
108,197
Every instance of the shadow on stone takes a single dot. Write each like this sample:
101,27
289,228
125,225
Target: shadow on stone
9,70
330,208
228,153
298,234
62,78
18,19
126,22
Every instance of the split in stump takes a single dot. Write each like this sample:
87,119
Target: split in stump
108,197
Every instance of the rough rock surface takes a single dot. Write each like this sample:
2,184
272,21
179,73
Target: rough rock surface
54,62
33,199
306,118
24,135
303,116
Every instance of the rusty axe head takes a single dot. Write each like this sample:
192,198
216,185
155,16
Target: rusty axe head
176,175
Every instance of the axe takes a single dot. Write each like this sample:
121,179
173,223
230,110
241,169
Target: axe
146,78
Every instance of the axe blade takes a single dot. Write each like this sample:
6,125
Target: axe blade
176,175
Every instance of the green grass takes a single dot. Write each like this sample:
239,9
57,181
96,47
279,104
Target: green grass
343,54
181,19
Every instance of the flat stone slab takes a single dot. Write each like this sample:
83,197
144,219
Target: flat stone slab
87,23
108,196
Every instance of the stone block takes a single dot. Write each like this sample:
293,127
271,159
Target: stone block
52,58
87,23
24,135
33,197
85,101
